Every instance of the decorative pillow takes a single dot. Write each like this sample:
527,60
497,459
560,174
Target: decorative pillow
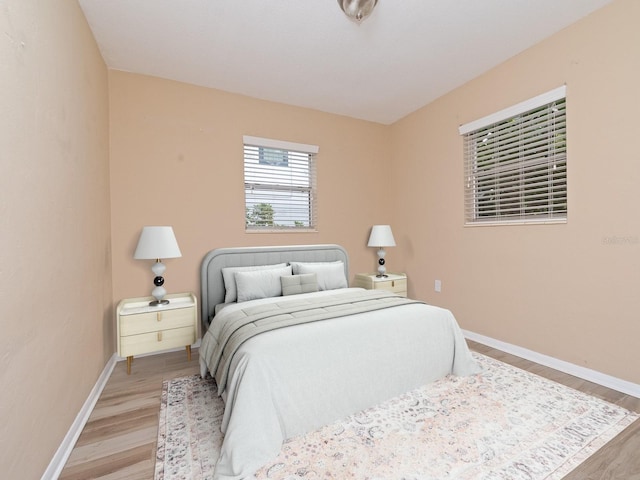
294,284
330,275
262,283
229,277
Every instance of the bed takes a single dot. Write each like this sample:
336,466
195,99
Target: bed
293,348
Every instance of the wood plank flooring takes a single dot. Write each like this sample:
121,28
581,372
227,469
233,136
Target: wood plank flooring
119,440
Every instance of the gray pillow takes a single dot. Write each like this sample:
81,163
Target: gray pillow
229,276
294,284
330,274
263,283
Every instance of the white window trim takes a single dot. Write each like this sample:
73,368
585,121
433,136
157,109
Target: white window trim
279,144
514,110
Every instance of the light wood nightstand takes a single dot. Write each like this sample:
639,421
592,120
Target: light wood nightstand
394,282
145,329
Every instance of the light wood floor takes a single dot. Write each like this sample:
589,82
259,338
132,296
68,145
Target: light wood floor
119,440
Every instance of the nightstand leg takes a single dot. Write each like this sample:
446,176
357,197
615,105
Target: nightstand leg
188,352
129,362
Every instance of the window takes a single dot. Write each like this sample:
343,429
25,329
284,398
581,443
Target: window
515,163
279,185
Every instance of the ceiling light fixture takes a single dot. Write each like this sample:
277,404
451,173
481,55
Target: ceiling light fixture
357,10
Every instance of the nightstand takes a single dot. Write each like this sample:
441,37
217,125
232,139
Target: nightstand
394,282
145,329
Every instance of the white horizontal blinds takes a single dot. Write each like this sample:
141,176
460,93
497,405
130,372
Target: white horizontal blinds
280,184
516,167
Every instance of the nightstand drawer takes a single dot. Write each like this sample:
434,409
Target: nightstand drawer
152,321
396,286
157,340
393,282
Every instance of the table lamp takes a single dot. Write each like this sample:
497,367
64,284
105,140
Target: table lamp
381,236
156,243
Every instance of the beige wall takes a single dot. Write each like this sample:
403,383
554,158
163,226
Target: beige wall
176,159
55,280
569,291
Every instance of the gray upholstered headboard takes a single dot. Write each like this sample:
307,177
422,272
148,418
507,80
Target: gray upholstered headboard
211,283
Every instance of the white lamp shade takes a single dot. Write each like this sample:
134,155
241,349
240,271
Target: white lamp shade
156,243
381,236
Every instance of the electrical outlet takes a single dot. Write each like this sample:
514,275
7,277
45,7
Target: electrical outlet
438,286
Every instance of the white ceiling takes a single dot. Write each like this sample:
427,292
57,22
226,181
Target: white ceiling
308,53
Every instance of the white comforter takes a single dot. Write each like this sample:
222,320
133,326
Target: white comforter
293,380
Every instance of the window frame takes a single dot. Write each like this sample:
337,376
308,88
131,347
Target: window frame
524,166
302,182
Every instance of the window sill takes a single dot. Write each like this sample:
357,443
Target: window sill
283,230
494,223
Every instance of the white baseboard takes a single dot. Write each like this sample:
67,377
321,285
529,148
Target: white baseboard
594,376
66,447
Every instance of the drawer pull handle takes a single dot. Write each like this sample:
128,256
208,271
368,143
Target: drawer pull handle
159,336
159,316
393,283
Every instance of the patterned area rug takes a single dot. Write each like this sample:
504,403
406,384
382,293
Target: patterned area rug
503,423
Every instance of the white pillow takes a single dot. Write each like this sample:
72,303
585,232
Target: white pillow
296,265
330,275
229,277
262,283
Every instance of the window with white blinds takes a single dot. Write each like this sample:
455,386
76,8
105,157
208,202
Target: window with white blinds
279,185
515,163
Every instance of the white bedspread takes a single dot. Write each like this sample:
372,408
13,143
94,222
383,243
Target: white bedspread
292,380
